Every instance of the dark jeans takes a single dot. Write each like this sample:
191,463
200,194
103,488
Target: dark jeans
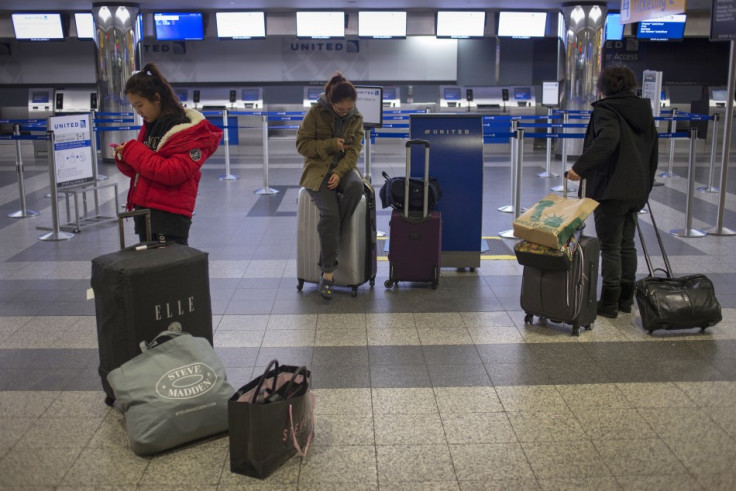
615,225
335,206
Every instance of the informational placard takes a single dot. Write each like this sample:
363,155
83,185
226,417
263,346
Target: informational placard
723,20
72,149
651,88
636,10
370,105
551,94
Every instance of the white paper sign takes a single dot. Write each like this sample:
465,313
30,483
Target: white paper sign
370,105
72,149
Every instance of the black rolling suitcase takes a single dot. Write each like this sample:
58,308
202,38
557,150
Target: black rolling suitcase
143,290
567,296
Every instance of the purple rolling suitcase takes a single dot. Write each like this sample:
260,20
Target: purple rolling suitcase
415,248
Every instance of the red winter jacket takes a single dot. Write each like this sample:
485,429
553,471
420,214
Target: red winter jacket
167,178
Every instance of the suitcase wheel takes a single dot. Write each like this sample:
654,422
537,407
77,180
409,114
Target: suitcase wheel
589,327
300,285
372,282
109,401
388,283
529,319
354,292
576,329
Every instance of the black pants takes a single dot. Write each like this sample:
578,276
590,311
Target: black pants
156,237
615,225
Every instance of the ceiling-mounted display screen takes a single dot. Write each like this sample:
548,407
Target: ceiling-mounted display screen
241,25
662,29
37,26
522,24
178,26
381,25
320,25
460,24
85,25
614,28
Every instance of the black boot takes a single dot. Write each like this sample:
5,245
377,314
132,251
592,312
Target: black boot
626,297
608,304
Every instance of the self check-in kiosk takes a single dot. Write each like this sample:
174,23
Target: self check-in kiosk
311,95
717,97
391,97
40,107
74,101
451,97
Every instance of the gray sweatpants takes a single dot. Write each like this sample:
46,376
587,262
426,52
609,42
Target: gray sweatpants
335,206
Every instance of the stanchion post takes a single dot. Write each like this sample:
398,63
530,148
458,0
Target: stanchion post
93,136
548,167
514,159
688,231
673,129
56,233
563,163
516,166
711,171
719,229
367,163
265,189
23,212
226,143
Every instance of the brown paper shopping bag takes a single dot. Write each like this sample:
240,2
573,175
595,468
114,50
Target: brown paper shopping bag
553,220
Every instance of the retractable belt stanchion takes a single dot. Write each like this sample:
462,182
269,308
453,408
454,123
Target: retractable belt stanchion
226,143
514,160
56,233
548,168
516,165
93,136
265,189
711,171
688,231
563,164
23,212
673,130
719,229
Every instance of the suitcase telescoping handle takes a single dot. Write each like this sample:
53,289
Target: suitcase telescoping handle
425,206
564,187
128,214
667,268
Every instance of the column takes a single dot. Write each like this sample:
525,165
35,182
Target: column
117,39
584,37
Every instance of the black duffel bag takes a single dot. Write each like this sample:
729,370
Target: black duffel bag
392,193
670,302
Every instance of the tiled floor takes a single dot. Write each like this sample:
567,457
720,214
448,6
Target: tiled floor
416,388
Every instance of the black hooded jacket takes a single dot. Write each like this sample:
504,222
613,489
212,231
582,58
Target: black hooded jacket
620,152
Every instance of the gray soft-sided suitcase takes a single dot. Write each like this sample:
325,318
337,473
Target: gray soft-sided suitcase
357,250
564,296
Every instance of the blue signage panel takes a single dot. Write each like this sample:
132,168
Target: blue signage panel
456,161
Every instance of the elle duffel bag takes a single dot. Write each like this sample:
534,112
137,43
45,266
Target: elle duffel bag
674,303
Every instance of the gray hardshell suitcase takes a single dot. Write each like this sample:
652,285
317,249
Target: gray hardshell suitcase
357,250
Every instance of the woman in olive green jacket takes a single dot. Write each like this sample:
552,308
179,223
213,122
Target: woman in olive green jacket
330,139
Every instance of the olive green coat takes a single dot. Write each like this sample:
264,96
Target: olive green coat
317,142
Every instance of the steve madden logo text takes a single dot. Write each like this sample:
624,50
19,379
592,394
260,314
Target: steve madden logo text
186,381
169,310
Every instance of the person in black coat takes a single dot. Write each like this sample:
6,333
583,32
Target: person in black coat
619,161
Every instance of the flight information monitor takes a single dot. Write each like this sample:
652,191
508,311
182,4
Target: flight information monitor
178,26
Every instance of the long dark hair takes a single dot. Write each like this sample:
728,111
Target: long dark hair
338,88
149,82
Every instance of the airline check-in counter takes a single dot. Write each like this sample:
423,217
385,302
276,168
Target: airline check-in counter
517,100
74,101
212,99
717,97
451,98
391,97
664,98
